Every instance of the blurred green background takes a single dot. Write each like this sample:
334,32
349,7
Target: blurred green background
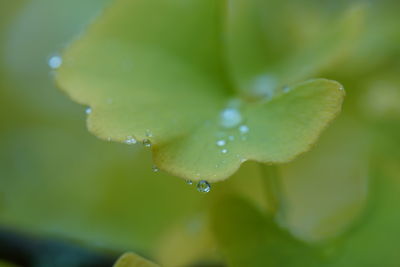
60,183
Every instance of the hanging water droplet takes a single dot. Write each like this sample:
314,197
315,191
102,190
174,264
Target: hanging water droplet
55,62
244,129
224,151
221,142
149,133
203,186
130,140
146,142
189,182
155,168
230,117
88,111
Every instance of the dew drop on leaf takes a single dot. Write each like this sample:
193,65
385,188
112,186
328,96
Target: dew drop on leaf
221,142
286,89
264,86
244,129
203,186
231,117
55,62
149,133
88,111
130,140
146,142
224,151
189,182
155,168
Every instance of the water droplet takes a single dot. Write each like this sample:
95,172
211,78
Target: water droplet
286,89
244,129
231,138
88,111
224,151
264,86
203,186
230,117
55,62
221,142
155,168
146,142
149,133
189,182
130,140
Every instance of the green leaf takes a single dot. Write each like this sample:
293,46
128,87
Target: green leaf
133,260
145,75
250,238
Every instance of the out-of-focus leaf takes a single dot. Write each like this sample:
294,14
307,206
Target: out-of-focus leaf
156,83
61,182
374,241
265,45
133,260
325,191
39,30
249,238
188,242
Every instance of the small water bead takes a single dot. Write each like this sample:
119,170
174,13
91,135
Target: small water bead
221,142
155,168
264,86
203,186
130,140
189,182
55,62
230,117
244,129
149,133
224,151
146,142
88,111
286,89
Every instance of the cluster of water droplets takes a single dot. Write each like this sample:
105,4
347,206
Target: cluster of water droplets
231,126
130,140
